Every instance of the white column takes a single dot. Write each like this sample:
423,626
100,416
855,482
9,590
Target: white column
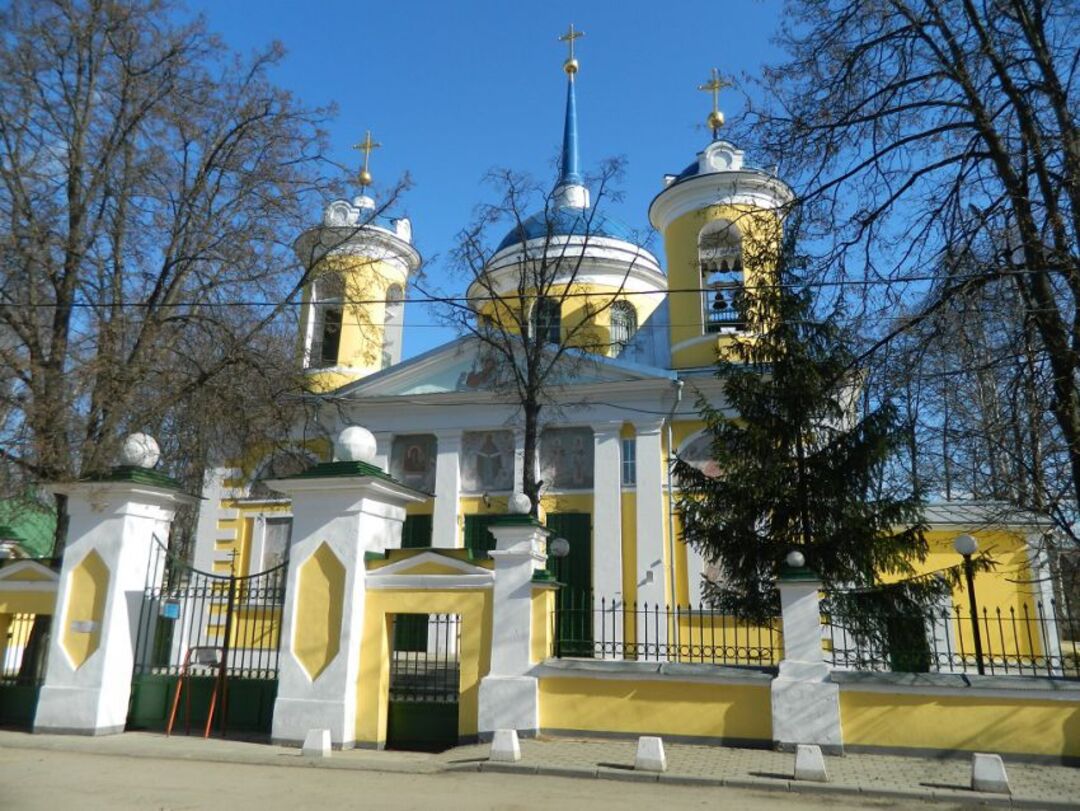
805,700
350,513
446,531
607,524
650,515
384,441
519,459
111,531
509,698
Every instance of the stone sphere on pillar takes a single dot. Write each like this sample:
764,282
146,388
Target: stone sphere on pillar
519,504
355,444
795,559
140,450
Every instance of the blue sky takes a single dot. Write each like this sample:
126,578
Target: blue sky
453,89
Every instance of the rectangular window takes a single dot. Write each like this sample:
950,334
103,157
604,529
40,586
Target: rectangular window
331,336
276,542
629,462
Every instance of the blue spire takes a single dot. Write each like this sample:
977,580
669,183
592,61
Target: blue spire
571,174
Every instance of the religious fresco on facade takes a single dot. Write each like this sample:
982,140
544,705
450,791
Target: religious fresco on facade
698,453
487,461
412,461
566,458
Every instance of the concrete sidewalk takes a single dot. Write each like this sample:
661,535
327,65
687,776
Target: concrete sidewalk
870,776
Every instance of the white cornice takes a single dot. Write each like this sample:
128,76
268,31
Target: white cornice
368,240
592,270
744,187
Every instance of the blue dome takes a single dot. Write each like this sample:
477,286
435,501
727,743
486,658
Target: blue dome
567,222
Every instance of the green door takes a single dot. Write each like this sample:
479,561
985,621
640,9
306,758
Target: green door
477,538
573,606
410,630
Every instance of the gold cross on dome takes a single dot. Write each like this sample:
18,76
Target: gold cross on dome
366,146
714,86
569,38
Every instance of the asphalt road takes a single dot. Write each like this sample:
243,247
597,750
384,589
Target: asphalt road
42,779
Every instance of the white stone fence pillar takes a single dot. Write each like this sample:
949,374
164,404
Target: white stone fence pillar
805,700
112,523
341,510
509,697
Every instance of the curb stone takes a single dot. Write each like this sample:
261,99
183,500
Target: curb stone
628,775
565,771
509,768
757,782
691,780
804,787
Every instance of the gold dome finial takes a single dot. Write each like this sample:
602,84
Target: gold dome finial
571,64
715,84
366,146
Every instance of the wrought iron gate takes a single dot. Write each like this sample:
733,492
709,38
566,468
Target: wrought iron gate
425,680
217,632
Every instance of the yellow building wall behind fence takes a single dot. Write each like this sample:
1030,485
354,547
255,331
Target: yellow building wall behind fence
676,708
373,682
961,723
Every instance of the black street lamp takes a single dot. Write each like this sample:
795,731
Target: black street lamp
968,546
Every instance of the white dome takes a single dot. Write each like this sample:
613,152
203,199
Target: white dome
519,504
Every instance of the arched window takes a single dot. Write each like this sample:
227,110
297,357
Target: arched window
327,302
720,259
623,324
546,320
393,322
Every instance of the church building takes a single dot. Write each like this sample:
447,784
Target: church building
442,428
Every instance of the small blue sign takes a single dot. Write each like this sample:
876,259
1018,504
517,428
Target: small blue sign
170,609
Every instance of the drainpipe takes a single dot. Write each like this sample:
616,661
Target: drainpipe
671,506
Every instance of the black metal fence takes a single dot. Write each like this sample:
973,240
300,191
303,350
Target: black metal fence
21,660
198,619
1032,639
585,627
424,662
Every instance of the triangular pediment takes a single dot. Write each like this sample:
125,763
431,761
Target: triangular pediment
28,574
462,366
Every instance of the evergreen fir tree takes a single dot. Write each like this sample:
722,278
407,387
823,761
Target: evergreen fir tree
803,467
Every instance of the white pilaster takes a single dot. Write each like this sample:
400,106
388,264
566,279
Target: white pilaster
509,698
607,520
384,441
446,531
351,514
805,700
1039,564
117,521
650,515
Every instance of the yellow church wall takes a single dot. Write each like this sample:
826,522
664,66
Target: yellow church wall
366,281
660,707
542,639
474,608
691,346
27,602
588,304
952,722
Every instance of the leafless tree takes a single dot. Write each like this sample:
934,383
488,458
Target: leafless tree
935,147
151,185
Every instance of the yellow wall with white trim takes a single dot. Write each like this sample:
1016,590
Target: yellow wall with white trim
960,723
658,707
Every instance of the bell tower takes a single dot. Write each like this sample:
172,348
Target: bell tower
354,302
721,223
